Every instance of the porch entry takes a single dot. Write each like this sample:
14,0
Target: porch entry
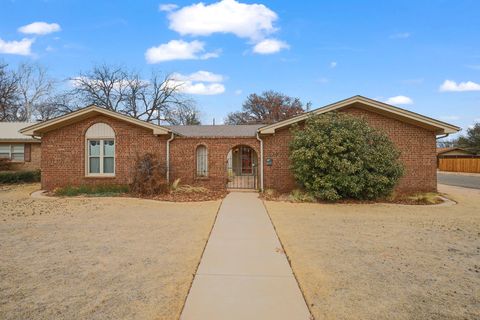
242,168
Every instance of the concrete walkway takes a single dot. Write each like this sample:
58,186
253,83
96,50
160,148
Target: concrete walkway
244,273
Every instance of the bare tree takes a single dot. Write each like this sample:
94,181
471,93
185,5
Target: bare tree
103,86
8,94
117,89
34,88
186,114
269,107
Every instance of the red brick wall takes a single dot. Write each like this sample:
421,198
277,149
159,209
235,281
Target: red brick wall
63,152
417,147
183,159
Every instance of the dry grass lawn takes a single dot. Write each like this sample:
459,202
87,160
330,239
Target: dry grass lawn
99,258
383,261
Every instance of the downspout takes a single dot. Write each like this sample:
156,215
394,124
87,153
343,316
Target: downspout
261,161
168,156
446,135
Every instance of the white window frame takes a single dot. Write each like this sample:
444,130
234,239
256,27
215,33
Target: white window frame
10,154
101,157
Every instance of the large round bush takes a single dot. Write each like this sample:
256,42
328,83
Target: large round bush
338,156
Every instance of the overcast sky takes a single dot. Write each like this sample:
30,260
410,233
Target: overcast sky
420,55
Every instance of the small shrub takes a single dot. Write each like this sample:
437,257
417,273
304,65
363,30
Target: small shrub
298,195
338,156
149,176
425,198
95,190
175,184
190,189
270,192
19,176
5,164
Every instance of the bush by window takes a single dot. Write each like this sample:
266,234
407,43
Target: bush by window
338,156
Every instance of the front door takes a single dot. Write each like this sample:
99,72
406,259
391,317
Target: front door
241,168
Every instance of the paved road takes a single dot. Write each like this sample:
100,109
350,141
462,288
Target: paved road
459,180
244,273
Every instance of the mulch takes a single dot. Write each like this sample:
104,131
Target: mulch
396,200
206,195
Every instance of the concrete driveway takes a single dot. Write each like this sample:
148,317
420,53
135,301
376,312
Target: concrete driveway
459,179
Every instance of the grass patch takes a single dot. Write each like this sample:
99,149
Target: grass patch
95,191
9,177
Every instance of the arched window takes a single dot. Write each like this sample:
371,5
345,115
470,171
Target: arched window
100,155
202,161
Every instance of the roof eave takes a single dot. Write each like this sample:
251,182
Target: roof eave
439,127
40,128
26,140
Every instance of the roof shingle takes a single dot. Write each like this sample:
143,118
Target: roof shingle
9,131
217,130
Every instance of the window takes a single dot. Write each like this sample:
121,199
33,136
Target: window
202,161
101,157
100,139
15,152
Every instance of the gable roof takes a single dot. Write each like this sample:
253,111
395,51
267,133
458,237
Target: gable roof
446,150
9,132
439,127
217,130
84,113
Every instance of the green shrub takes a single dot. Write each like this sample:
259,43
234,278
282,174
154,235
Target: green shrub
95,190
337,156
19,176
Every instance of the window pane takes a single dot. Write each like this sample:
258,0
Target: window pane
94,148
18,148
5,155
109,148
202,161
5,148
18,156
94,165
108,164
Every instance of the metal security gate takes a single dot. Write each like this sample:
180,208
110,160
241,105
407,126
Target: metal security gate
242,168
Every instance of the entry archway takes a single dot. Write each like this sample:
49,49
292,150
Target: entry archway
242,163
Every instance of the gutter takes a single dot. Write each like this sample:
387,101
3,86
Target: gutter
168,156
444,136
261,161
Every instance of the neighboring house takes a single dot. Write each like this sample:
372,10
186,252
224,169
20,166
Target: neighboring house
97,146
453,152
23,151
457,160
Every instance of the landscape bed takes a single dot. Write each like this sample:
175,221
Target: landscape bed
182,193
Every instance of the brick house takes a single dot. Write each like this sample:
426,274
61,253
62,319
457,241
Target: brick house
23,151
98,146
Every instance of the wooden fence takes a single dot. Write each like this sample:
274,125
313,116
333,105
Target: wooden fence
459,164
